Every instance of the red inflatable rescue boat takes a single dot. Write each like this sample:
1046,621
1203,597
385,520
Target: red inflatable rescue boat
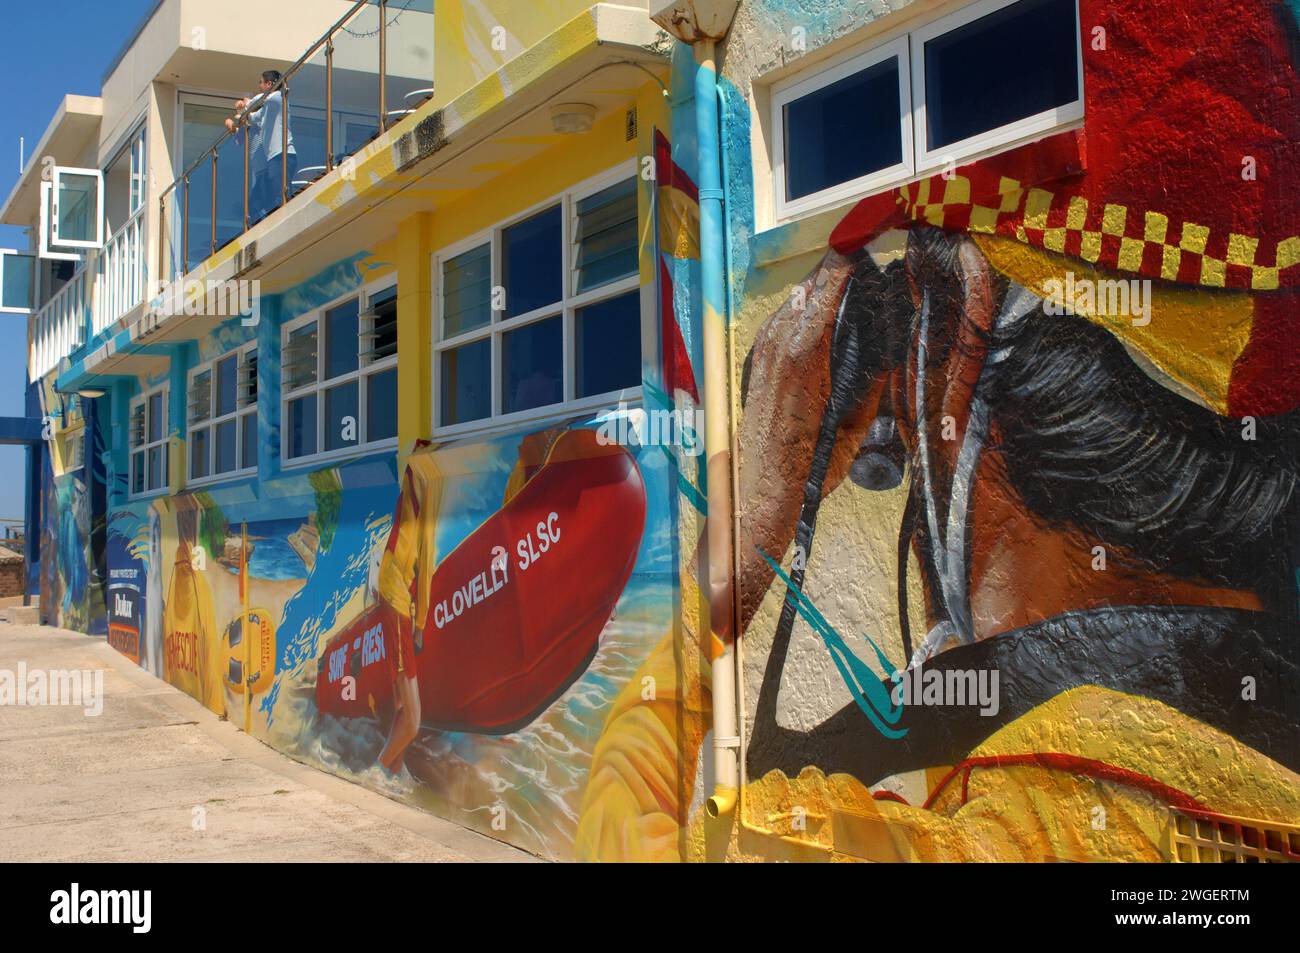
516,610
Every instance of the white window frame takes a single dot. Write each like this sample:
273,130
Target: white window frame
133,146
32,259
566,308
73,437
56,178
909,45
785,93
365,370
240,355
1022,129
147,444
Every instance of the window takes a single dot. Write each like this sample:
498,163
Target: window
222,413
990,74
17,281
541,314
73,446
76,211
339,377
124,183
148,439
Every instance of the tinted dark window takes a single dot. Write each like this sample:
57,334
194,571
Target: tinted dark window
381,405
199,453
466,383
341,339
225,447
532,366
227,385
342,428
843,131
1016,62
608,345
302,426
532,262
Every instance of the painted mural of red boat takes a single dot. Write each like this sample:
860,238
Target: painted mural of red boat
516,610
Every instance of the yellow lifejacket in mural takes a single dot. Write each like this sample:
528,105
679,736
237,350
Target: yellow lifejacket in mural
191,646
1104,798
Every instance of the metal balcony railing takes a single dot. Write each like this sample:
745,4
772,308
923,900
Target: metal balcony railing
371,68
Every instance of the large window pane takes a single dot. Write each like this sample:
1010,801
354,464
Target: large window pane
607,345
227,385
155,478
225,447
466,383
844,131
199,453
155,418
531,262
249,423
1014,63
342,426
381,405
78,199
301,428
605,233
137,472
467,291
18,281
532,366
341,339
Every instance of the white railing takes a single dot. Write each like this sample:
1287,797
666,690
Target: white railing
57,329
119,274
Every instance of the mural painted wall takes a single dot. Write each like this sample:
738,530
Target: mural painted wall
488,628
71,583
1018,567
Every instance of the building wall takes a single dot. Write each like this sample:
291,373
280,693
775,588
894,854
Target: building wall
566,685
996,465
1093,518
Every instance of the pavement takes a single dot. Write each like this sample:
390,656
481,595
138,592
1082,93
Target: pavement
158,777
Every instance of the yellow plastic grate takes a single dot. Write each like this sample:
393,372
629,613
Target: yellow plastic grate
1204,838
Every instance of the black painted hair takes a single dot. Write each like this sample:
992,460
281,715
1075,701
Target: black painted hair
1093,442
271,76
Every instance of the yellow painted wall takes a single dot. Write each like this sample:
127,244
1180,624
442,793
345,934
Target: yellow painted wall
569,161
464,50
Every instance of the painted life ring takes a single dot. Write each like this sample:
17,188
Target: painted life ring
516,610
261,629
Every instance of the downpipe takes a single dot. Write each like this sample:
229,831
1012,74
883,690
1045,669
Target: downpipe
717,440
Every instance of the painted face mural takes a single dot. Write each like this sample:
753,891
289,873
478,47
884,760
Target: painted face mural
1063,380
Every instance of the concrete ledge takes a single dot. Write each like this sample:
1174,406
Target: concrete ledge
21,615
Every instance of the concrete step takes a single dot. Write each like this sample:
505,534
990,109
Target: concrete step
21,615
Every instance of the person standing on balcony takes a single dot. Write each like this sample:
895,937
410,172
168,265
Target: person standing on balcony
256,165
271,149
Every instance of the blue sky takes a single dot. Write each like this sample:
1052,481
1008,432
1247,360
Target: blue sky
47,49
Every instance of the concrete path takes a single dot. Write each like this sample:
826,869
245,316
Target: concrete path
123,786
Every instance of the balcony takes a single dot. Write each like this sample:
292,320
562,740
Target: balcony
58,327
372,68
119,274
